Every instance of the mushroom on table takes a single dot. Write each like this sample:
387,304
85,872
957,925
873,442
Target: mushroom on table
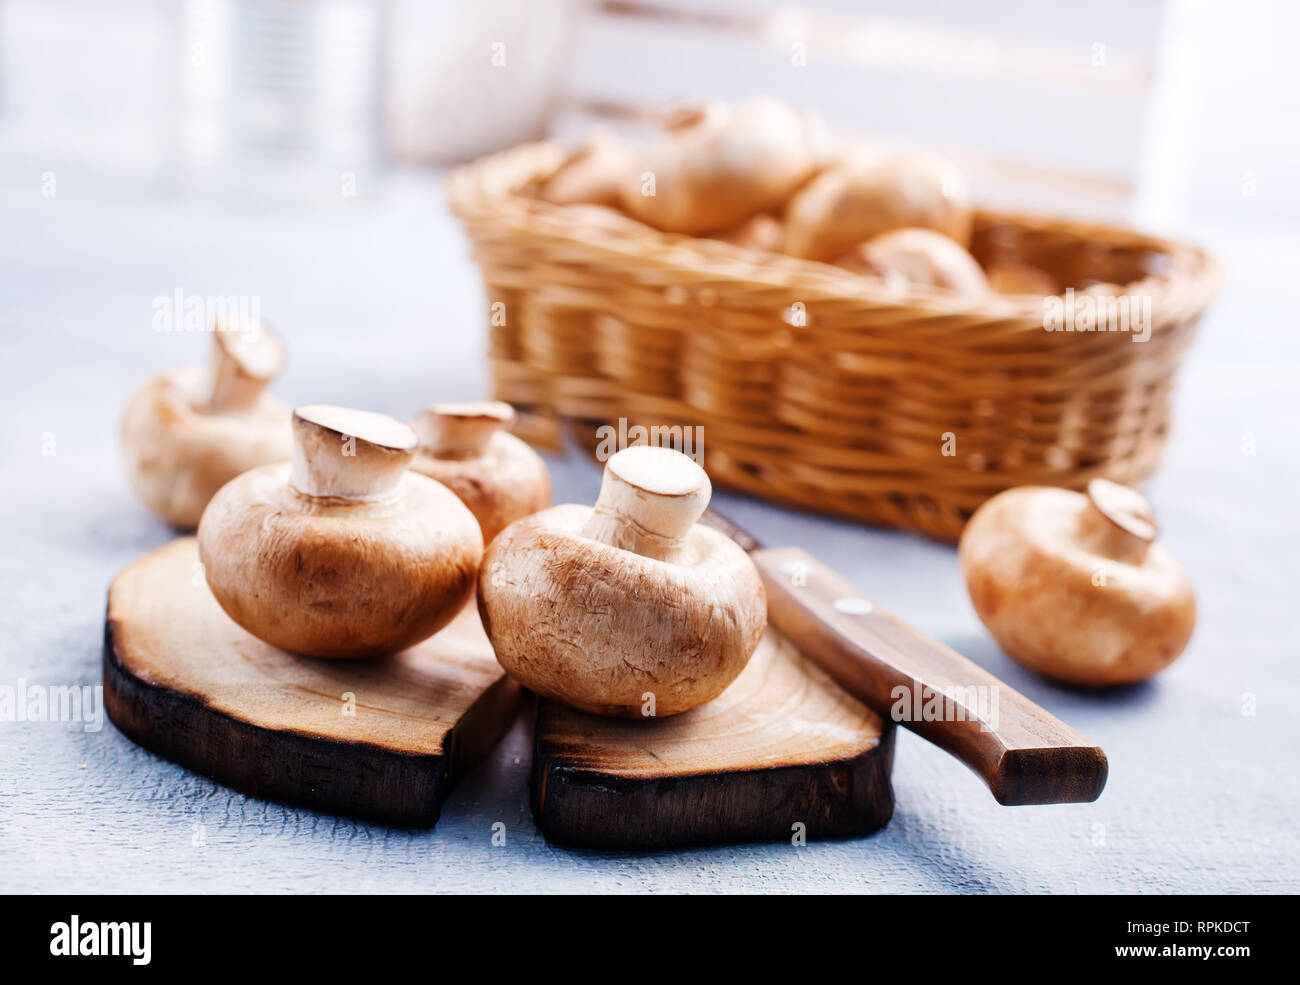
1074,586
344,552
187,432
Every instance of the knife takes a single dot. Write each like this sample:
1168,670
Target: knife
1022,752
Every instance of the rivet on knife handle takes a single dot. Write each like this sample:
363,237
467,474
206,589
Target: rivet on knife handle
1025,754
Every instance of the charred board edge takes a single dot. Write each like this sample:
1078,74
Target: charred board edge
355,779
580,807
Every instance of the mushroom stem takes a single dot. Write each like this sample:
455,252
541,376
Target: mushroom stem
1118,521
349,454
687,116
245,357
461,430
649,500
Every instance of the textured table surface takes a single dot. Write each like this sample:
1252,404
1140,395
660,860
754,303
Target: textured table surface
382,309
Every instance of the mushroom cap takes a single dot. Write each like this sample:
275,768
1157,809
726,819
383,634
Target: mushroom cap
593,175
177,454
604,607
1073,586
921,258
760,232
1021,278
334,578
343,552
718,165
867,195
598,627
495,474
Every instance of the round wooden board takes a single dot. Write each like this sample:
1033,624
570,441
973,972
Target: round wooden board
378,739
783,746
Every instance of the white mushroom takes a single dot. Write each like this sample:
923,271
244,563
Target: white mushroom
871,194
1074,586
1021,278
187,432
630,608
762,232
919,258
592,176
466,448
718,165
343,552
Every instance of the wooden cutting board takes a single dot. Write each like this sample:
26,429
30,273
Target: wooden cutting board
783,747
380,739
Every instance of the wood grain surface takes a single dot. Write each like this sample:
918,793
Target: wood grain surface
378,739
783,746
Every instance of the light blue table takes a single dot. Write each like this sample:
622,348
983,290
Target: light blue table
382,309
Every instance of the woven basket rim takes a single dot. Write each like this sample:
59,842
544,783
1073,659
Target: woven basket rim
493,190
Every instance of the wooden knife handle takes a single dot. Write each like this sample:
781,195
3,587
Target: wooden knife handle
1024,754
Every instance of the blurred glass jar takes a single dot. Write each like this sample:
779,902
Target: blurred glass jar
279,99
466,78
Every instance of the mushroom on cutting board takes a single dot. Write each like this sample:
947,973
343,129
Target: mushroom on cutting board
187,432
1074,586
466,448
718,165
630,608
344,552
868,195
919,258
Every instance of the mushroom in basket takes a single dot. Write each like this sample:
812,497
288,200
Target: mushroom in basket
344,552
1021,278
921,258
719,165
187,432
761,232
868,195
630,608
592,176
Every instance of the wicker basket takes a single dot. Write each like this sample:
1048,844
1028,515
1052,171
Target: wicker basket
816,387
